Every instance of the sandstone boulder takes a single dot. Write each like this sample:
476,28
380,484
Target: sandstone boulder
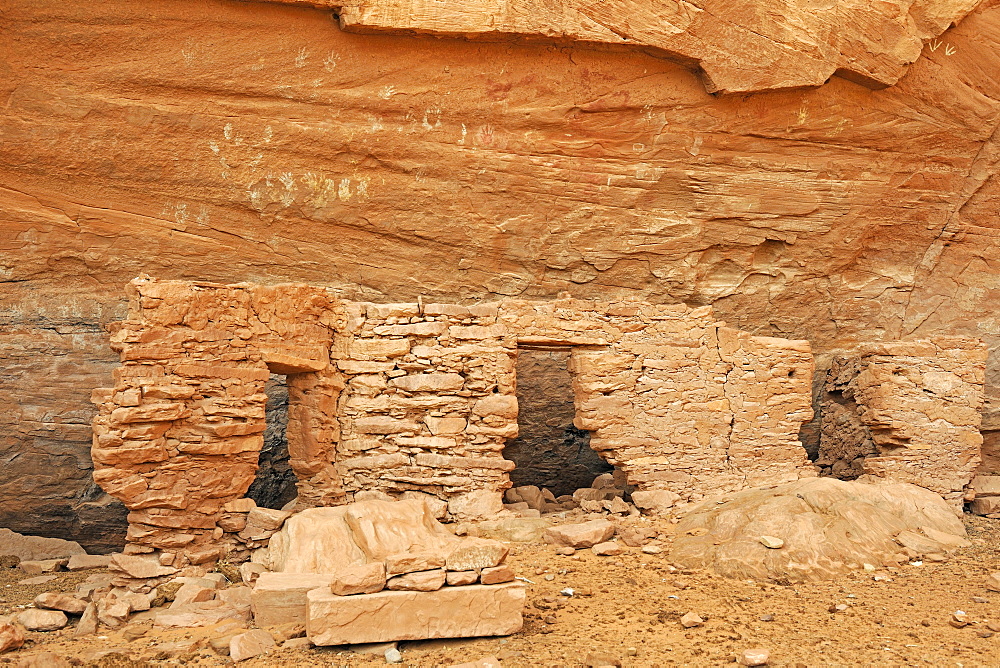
363,579
88,621
825,526
476,554
250,644
192,593
53,601
39,567
316,540
419,581
262,522
657,502
11,637
208,613
410,562
459,578
140,566
42,620
113,612
496,575
515,529
280,598
83,562
529,494
384,528
44,660
586,534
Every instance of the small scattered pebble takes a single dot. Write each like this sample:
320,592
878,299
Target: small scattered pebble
691,620
959,619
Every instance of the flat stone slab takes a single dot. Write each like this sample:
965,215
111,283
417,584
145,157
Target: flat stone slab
280,598
451,612
36,548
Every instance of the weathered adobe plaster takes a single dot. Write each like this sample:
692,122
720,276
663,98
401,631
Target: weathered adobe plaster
756,46
400,399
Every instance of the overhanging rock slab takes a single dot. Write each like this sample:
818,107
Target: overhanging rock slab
451,612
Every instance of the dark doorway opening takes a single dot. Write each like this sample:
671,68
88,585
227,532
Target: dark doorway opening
549,451
274,485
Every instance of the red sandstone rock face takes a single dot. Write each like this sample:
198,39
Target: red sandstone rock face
250,141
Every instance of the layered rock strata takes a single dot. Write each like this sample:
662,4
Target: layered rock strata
907,412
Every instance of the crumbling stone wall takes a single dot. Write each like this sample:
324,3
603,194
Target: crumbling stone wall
907,411
178,435
676,399
397,399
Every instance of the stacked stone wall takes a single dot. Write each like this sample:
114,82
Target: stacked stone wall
401,399
676,399
429,403
178,435
908,411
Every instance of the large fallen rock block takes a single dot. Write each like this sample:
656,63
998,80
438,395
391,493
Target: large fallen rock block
815,529
451,612
404,535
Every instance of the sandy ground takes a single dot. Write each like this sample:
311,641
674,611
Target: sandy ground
627,608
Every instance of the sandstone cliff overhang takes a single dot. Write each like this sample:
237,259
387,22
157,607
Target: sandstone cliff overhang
739,48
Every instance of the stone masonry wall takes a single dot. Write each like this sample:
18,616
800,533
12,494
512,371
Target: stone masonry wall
676,399
428,403
908,411
402,399
178,435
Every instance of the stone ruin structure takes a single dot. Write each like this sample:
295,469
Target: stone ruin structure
401,399
907,411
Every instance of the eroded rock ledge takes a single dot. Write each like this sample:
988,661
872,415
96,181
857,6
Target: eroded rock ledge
761,45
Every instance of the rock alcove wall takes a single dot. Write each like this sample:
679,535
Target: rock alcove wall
228,141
